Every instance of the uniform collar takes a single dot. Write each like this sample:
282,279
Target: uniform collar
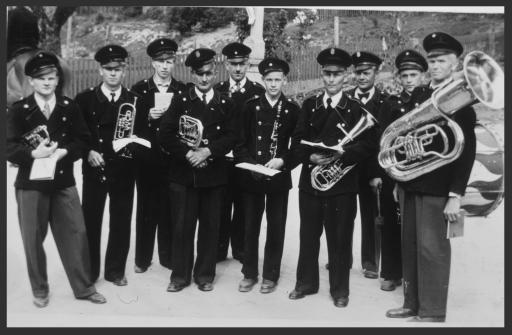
41,102
107,92
274,102
335,99
232,83
371,92
196,94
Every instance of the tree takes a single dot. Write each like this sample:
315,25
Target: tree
50,21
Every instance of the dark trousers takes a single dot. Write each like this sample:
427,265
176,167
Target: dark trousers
336,214
368,208
231,225
391,243
152,211
276,209
120,191
426,253
62,210
188,205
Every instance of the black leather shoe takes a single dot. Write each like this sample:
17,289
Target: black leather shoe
239,256
370,274
400,313
428,319
268,286
140,269
205,287
327,266
96,298
246,284
341,302
295,294
41,301
175,287
120,281
390,285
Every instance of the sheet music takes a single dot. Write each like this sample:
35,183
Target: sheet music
44,168
258,168
122,142
163,100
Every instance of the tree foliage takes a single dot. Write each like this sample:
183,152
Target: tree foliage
198,19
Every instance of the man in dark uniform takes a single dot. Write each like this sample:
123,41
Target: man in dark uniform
152,186
268,122
239,88
430,200
31,123
411,66
366,67
328,117
197,130
106,171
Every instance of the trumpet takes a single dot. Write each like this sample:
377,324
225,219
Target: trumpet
426,138
324,177
125,124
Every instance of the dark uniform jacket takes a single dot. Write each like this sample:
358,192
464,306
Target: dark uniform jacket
316,124
397,106
101,118
258,119
219,133
378,107
249,90
65,126
452,177
146,89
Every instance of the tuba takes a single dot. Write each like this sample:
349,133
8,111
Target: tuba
190,131
427,138
125,124
323,177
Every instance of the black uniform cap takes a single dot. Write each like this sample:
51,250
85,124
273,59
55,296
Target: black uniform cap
410,60
162,48
272,64
111,53
200,57
363,60
41,63
236,50
334,56
438,43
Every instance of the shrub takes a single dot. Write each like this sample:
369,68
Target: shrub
199,19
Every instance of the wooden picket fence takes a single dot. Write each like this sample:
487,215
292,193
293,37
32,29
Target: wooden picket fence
303,65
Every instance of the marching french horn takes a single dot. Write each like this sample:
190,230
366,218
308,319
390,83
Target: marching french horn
427,138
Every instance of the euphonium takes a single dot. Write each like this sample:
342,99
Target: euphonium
324,177
427,138
190,131
125,124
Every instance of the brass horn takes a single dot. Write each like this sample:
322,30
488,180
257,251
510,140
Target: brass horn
125,124
427,138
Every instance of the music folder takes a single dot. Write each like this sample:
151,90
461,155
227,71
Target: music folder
258,168
455,228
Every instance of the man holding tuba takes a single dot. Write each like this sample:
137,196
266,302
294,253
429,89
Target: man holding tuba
325,200
152,190
411,66
110,111
429,202
198,130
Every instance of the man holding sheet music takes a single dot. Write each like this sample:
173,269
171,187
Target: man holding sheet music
329,117
267,124
155,93
48,127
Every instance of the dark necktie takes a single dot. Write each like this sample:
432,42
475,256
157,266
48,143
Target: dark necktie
113,96
204,99
329,101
